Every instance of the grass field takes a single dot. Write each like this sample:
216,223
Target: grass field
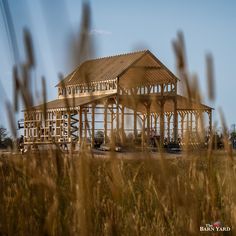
52,193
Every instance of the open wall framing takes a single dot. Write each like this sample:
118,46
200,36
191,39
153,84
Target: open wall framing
131,94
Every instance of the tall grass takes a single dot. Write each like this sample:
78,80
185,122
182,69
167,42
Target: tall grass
54,193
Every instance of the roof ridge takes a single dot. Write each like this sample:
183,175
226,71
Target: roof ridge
115,55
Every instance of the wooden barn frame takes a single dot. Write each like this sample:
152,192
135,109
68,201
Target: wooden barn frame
126,94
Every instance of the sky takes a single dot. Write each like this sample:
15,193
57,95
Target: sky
121,27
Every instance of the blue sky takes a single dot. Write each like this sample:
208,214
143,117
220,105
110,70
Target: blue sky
124,26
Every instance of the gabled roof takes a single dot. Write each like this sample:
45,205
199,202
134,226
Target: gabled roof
109,68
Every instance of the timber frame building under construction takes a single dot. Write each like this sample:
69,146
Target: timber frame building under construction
125,94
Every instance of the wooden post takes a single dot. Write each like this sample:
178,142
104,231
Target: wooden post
188,136
122,123
196,121
155,122
85,124
191,123
151,121
80,125
69,128
112,135
162,124
210,121
143,132
105,121
93,125
168,126
112,118
117,114
29,125
56,126
188,121
117,107
175,121
25,127
135,121
182,124
40,126
148,120
162,117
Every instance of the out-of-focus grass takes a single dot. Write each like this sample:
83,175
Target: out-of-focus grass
52,193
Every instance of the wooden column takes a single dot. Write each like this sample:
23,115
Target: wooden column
155,122
40,126
148,120
122,123
56,127
69,128
143,131
105,121
188,121
85,124
29,125
93,124
196,121
135,121
210,121
26,126
25,129
80,124
175,121
117,114
168,116
58,124
112,119
191,123
117,107
162,122
182,124
151,121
